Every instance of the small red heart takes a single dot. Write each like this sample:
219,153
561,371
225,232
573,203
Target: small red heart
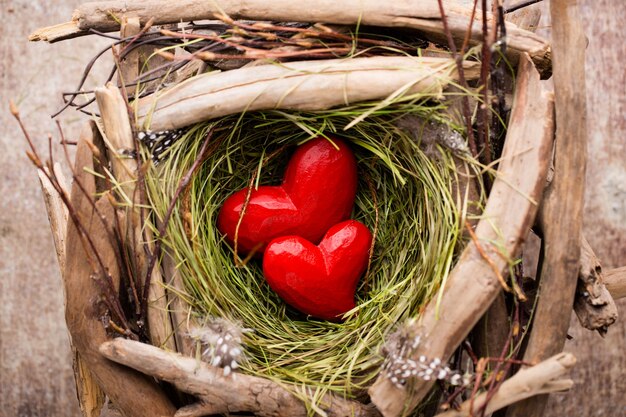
317,192
319,280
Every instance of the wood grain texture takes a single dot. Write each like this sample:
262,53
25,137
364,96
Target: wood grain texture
560,217
599,375
615,280
119,138
296,86
90,396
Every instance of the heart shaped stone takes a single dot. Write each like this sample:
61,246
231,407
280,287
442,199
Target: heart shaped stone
319,280
317,192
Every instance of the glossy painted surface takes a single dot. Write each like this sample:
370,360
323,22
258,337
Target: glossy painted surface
317,192
319,280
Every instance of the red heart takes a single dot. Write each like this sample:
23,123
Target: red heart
319,280
317,192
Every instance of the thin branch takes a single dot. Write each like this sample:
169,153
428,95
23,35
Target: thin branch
458,58
184,182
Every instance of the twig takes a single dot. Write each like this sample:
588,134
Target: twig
458,58
184,182
93,255
104,16
539,379
86,241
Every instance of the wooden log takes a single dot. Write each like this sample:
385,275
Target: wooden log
562,208
422,15
473,284
219,394
114,113
528,382
593,304
615,281
306,85
133,393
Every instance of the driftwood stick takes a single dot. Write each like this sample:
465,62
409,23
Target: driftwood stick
296,86
129,65
615,281
538,379
509,213
561,214
422,15
219,394
134,394
118,131
90,396
57,211
118,136
593,304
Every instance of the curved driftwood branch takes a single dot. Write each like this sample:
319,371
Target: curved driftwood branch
538,379
422,15
219,394
510,211
306,85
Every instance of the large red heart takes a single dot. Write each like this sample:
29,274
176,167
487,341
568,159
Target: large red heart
319,280
317,192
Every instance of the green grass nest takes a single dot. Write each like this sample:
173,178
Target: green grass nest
403,194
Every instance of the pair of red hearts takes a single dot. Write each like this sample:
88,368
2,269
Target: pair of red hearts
284,222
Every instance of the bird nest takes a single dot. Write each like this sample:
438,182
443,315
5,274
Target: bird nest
404,196
207,108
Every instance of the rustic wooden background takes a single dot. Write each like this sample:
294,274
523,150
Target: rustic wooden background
35,364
